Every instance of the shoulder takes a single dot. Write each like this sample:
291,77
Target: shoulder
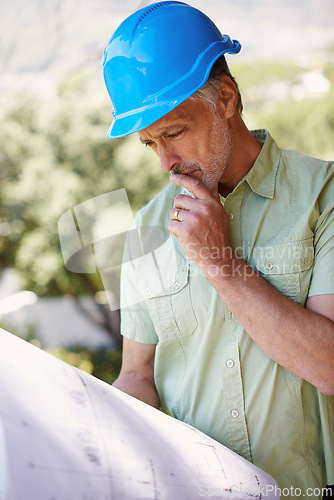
310,177
308,166
291,161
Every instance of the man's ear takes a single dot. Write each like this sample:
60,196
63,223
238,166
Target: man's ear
228,96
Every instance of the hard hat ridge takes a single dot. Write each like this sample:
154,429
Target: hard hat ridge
157,58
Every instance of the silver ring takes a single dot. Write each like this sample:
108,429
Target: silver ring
176,214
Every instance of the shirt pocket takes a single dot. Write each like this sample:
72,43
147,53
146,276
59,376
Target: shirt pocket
287,267
166,292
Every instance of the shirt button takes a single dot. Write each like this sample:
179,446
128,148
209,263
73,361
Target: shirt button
230,216
230,363
307,261
176,285
235,413
269,266
147,292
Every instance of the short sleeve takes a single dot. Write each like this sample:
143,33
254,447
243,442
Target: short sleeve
323,269
136,322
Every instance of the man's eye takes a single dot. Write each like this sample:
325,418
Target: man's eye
176,134
148,144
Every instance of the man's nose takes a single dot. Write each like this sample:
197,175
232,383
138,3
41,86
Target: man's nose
168,157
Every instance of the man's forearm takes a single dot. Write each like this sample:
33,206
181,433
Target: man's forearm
138,387
298,339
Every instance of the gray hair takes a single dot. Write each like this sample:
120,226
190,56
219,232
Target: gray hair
210,89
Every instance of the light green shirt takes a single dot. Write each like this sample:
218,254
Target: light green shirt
208,371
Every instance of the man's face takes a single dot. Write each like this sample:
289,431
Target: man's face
192,140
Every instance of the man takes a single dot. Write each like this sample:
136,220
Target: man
229,324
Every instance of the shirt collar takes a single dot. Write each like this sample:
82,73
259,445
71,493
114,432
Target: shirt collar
262,176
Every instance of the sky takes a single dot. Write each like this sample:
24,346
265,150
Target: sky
56,36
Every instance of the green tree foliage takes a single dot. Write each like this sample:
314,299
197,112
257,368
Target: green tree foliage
54,155
301,120
307,125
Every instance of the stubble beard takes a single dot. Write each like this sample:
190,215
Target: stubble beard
222,141
221,147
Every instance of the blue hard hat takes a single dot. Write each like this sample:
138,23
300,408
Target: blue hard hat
156,59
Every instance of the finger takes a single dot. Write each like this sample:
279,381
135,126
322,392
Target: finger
174,228
195,186
185,202
175,214
215,192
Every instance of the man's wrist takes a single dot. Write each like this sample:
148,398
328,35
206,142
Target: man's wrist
232,268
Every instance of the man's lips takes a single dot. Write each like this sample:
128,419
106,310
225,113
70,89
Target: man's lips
187,172
190,172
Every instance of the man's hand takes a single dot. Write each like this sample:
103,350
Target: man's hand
201,224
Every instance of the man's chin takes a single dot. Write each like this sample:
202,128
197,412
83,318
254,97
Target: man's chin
210,184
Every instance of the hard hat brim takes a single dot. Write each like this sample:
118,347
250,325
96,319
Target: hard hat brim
125,125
